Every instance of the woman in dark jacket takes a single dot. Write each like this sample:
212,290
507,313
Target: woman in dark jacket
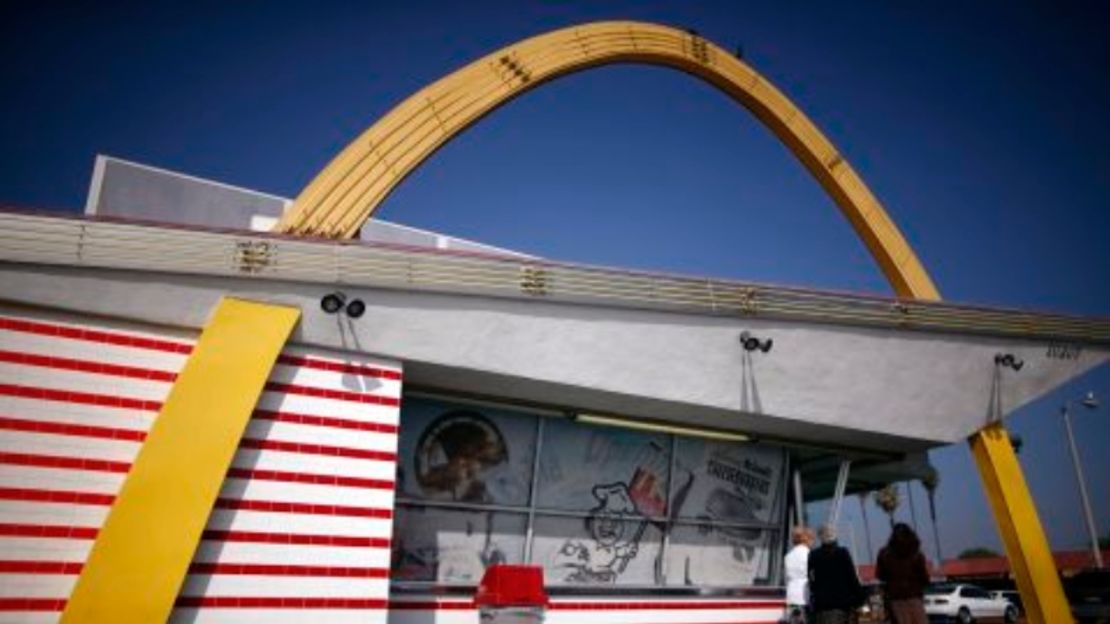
902,570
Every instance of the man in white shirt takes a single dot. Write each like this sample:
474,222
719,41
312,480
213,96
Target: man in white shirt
797,574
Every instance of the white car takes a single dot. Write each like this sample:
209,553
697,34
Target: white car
966,604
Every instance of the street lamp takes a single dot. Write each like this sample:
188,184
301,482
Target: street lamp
1089,402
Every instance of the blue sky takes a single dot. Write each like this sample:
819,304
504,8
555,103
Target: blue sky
981,128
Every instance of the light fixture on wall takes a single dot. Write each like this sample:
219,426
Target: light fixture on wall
630,423
1008,360
751,343
332,303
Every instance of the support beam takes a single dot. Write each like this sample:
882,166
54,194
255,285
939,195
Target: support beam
1030,557
838,492
141,555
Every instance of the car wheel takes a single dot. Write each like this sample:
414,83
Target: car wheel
964,616
1011,615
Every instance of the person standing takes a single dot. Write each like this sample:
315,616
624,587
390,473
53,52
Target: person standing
796,565
901,569
834,588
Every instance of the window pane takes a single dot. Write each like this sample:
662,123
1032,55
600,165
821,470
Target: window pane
606,548
731,482
586,467
453,452
453,546
707,556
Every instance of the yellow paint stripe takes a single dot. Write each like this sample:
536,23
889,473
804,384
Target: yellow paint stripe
141,556
1034,569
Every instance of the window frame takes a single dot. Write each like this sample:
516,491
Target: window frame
774,528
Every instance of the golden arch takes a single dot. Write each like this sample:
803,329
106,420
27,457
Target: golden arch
345,194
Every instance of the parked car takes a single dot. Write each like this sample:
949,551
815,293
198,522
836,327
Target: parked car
1012,595
1089,596
965,604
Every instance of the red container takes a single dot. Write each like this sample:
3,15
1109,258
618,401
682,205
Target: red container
511,586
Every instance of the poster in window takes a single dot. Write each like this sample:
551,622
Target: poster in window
705,555
453,546
581,464
727,482
612,546
463,453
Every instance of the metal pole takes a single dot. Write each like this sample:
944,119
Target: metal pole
1082,488
799,500
838,492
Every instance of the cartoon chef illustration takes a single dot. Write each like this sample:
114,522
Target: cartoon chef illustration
616,537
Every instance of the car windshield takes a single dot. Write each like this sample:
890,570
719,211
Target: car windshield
941,589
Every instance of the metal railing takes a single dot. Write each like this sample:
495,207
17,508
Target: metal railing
175,249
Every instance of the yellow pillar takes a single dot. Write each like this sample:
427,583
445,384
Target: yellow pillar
1042,595
142,553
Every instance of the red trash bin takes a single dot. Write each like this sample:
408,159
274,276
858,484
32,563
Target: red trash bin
511,594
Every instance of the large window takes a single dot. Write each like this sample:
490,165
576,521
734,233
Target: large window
593,505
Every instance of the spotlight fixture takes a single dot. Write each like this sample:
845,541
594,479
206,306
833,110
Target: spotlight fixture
1008,360
751,343
334,302
356,308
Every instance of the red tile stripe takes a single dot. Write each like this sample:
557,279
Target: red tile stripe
152,374
103,337
216,602
91,431
81,463
267,569
325,421
32,604
93,335
253,537
37,426
48,530
220,569
464,605
296,539
693,605
65,463
328,393
304,508
85,366
83,398
316,449
40,567
315,479
88,498
85,431
55,496
362,370
253,602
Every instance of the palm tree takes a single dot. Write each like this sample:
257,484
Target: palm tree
888,500
930,482
863,495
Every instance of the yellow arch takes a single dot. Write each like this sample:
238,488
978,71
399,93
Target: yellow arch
345,194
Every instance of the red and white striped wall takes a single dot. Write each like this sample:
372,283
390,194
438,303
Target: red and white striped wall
301,530
603,611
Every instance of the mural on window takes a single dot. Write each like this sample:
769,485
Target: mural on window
586,468
722,482
463,454
705,555
610,546
454,546
602,512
